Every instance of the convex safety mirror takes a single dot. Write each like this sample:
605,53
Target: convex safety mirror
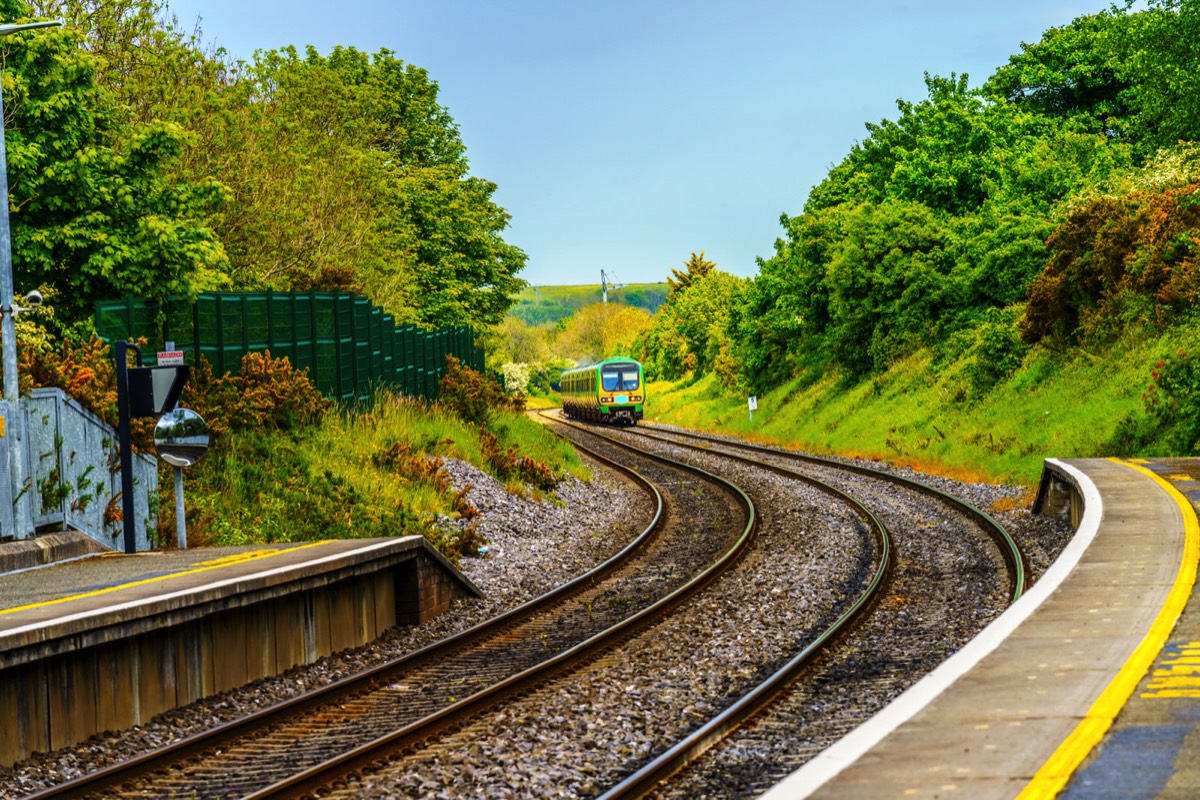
181,437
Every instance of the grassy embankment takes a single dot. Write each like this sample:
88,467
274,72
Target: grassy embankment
357,474
1056,405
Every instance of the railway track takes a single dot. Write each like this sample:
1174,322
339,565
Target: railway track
706,701
338,727
585,719
776,727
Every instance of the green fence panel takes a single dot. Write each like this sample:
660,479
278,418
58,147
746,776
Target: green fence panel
305,331
439,354
207,326
343,305
233,332
376,330
402,362
282,340
416,372
428,356
387,349
463,348
360,334
256,331
325,342
410,360
346,344
421,345
179,327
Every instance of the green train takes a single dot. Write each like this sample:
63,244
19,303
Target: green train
611,391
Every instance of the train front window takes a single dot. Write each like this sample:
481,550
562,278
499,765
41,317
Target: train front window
619,378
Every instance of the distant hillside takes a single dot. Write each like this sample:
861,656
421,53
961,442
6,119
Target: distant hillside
538,305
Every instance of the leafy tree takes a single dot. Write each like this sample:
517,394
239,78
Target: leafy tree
454,267
696,266
1160,57
689,331
94,213
601,330
1072,74
337,172
514,340
158,70
384,206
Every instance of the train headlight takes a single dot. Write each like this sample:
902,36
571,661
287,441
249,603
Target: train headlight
606,400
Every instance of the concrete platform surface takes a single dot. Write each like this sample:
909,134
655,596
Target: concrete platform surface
1027,703
140,592
107,642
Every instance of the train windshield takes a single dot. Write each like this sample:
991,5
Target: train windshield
619,377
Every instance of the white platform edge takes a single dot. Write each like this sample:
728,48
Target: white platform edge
830,762
195,590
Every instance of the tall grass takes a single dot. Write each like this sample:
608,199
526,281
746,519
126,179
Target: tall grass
327,482
922,412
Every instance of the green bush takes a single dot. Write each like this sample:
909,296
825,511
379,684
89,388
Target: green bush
1173,401
1169,424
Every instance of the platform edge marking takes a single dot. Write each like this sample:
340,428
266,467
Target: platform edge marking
206,566
829,763
1058,769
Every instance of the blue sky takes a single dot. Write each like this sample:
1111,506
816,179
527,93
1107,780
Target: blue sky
625,135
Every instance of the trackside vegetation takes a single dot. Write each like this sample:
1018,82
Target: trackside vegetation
286,464
145,163
1000,273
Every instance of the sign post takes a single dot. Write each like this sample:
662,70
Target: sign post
753,406
141,392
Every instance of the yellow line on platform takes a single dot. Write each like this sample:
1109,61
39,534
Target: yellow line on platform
1057,770
205,566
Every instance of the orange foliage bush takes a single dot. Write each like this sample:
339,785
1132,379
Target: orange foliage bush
472,396
87,372
400,459
510,465
268,394
1127,259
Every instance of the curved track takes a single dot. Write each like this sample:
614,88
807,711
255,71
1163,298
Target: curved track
334,729
428,724
750,741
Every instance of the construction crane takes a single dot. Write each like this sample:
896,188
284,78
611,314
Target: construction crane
604,286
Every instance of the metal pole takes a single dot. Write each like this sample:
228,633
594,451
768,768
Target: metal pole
180,518
6,277
8,349
13,516
125,442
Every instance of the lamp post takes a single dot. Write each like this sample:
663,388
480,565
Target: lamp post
7,329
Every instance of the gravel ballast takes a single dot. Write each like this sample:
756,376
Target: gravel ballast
533,545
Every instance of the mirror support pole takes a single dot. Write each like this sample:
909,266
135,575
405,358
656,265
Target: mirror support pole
180,517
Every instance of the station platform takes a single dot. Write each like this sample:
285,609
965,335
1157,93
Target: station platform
99,642
1087,687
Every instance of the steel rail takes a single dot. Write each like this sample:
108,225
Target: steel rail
712,732
372,755
1009,550
695,744
137,767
